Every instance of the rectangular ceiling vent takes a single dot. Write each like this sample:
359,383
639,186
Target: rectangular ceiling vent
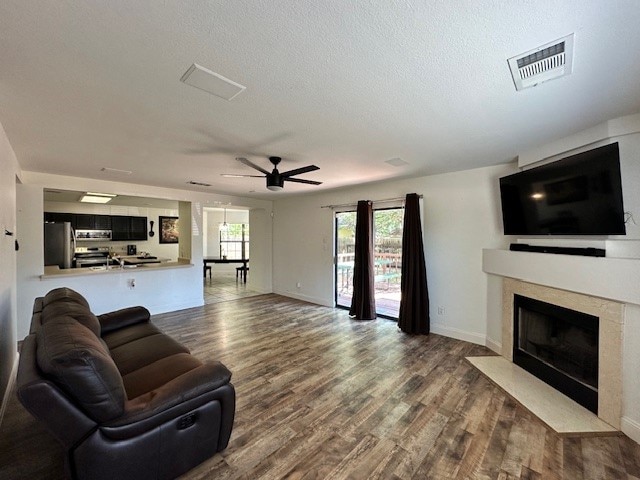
550,61
211,82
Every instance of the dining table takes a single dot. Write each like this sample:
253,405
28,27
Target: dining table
243,261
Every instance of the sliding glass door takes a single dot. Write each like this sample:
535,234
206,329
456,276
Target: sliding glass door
387,259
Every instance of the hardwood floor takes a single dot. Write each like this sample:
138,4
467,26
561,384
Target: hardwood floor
224,287
322,396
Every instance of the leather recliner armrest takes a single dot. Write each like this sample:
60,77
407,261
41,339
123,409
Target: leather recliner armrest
179,396
122,318
47,402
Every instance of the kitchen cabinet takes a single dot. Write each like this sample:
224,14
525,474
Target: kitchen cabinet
123,227
128,228
92,222
55,217
80,221
102,222
138,228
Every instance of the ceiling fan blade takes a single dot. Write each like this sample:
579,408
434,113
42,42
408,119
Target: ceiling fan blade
235,175
300,180
249,163
298,171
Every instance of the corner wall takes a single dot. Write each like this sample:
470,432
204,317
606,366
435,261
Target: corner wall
461,217
9,171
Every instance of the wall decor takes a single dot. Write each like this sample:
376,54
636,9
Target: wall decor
169,232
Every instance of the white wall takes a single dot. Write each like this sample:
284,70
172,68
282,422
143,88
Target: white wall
261,250
461,217
9,170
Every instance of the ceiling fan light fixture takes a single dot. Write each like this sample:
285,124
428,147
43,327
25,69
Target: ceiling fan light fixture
275,182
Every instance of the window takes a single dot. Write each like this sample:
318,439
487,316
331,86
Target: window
234,241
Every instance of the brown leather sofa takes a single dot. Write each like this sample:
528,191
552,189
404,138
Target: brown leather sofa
125,400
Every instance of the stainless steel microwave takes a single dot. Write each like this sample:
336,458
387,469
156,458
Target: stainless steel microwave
83,235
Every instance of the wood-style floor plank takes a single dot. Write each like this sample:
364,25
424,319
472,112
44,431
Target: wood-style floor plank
322,396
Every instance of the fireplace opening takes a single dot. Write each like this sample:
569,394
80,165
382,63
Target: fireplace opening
559,346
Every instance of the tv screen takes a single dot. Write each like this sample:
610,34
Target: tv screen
578,195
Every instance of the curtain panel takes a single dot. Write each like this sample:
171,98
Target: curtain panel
363,306
414,300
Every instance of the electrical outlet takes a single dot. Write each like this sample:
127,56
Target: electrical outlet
131,282
441,310
298,285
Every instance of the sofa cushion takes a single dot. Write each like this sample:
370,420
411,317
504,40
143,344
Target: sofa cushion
64,293
125,317
119,337
144,351
76,360
66,308
156,374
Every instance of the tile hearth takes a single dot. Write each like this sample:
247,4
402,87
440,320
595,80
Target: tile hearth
558,412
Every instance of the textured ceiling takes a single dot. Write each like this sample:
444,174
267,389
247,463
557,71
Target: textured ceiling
345,85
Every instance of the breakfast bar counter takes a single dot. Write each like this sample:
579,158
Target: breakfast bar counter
141,266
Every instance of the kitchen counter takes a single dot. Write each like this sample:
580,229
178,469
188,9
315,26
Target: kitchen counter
137,260
53,271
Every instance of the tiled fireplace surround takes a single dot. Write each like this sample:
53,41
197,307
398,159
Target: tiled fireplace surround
596,286
609,337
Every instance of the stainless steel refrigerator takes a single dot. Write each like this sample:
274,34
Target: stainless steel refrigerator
59,244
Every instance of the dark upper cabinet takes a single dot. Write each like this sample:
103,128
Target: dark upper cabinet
58,217
83,221
138,228
102,222
128,228
120,228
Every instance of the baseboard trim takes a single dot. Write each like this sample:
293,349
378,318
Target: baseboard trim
172,307
630,428
493,345
456,333
7,394
305,298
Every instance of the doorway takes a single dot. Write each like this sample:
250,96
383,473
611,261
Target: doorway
387,238
226,238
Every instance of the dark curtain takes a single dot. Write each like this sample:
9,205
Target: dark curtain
414,300
363,306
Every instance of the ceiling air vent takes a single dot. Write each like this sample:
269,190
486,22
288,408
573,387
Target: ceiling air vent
553,60
201,184
212,82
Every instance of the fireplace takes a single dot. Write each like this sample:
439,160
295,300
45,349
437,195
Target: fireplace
610,316
558,345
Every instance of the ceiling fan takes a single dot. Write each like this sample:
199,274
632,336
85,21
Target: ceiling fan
276,179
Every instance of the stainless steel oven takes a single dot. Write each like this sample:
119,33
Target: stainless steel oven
92,257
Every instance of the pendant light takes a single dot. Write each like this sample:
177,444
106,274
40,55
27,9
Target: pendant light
224,227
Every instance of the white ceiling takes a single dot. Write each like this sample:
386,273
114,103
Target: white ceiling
341,84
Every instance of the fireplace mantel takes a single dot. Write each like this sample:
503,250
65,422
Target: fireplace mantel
611,278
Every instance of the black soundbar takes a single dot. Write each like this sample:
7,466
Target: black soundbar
587,252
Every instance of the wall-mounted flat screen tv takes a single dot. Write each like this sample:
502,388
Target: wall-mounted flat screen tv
578,195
